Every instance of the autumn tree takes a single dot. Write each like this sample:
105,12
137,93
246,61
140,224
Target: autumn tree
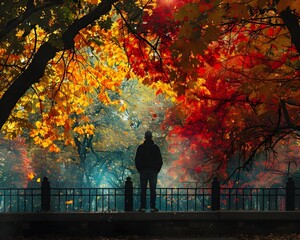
108,154
232,65
15,163
105,155
39,53
74,58
235,68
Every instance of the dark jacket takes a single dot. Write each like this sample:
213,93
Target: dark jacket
148,157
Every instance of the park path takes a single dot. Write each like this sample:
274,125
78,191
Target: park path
108,238
246,237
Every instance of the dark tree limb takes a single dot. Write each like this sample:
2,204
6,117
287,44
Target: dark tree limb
292,23
30,76
287,118
45,53
30,10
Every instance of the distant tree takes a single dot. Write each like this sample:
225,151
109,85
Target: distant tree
107,156
15,163
105,140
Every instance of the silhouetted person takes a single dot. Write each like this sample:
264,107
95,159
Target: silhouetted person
148,162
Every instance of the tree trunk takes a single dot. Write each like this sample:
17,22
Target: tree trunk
30,76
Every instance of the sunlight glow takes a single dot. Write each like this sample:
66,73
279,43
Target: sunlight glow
168,2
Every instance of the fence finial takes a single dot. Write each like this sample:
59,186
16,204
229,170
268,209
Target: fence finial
128,195
215,195
290,195
45,195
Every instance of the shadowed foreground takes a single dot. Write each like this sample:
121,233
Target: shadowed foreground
162,224
241,237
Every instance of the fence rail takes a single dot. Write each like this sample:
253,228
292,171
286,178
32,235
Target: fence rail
20,200
168,199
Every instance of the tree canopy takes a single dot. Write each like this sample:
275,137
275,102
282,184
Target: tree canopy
235,68
231,67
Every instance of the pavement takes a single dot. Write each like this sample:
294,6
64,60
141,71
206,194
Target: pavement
148,226
108,238
241,237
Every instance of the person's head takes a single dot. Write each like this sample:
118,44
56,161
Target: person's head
148,135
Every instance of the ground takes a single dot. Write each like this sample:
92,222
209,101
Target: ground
240,237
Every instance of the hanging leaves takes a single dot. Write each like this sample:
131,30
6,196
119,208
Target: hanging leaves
230,67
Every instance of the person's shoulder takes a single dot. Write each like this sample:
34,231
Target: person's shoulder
141,145
156,146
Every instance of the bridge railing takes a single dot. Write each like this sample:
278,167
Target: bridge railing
168,199
87,199
259,199
20,200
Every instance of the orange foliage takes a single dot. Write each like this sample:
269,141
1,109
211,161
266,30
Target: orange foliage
230,77
229,67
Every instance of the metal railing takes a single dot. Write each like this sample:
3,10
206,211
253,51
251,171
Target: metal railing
259,199
20,200
87,199
168,199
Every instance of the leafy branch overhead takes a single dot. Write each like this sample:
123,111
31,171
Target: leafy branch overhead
231,69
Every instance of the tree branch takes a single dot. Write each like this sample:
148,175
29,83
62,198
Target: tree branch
292,23
45,53
287,117
30,10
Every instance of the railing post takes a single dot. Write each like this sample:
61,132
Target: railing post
45,195
128,195
215,195
290,195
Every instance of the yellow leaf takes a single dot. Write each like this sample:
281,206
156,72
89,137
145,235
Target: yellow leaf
79,130
46,143
54,148
123,108
89,129
30,176
38,124
79,110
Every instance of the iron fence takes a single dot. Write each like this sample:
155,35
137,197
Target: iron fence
20,200
87,199
260,199
178,199
168,199
113,199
